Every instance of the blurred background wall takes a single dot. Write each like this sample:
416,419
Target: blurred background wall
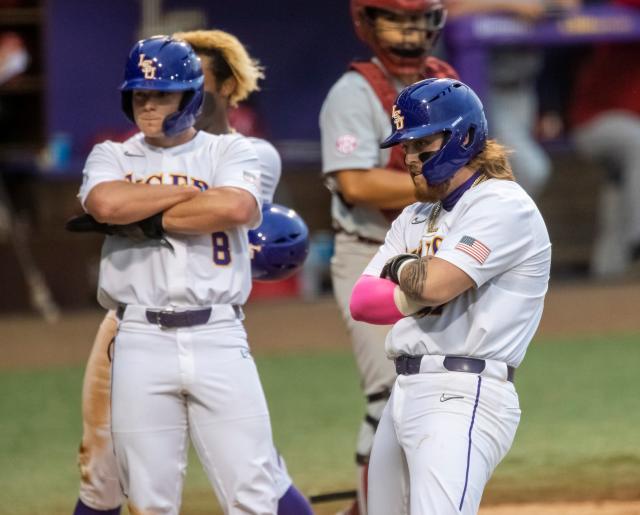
305,46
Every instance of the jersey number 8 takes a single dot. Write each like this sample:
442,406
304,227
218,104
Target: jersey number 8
221,250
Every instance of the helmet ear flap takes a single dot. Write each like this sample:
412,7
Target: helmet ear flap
185,117
186,98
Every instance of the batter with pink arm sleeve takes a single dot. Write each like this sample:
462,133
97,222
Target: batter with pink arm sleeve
462,275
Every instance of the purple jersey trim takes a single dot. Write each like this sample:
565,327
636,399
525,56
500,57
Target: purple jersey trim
473,418
452,198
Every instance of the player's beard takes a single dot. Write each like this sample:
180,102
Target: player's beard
426,193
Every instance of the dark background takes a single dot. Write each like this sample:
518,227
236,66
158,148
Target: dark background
305,47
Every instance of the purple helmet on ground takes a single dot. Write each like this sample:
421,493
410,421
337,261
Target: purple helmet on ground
434,106
280,245
162,63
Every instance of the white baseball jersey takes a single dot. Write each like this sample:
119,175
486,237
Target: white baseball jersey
353,122
201,269
270,168
99,486
496,235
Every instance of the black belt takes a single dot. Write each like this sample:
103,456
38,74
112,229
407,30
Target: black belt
409,365
173,319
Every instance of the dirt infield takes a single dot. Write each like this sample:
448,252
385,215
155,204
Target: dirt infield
600,508
578,508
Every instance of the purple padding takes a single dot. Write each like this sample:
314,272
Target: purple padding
473,419
83,509
294,503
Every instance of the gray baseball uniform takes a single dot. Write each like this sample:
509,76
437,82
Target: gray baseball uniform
353,122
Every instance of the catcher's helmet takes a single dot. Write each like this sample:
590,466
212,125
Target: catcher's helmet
432,106
398,62
162,63
280,245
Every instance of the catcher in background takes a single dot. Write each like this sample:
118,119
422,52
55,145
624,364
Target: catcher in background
231,75
462,275
370,186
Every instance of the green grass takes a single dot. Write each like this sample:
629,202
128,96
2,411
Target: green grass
39,436
578,437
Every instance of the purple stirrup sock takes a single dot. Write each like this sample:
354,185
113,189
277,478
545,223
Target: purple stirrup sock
294,503
83,509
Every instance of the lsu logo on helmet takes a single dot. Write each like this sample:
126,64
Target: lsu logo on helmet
147,67
398,119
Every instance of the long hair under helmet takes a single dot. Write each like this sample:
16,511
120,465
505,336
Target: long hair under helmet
162,63
434,106
398,61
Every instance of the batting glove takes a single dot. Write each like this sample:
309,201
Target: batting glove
391,268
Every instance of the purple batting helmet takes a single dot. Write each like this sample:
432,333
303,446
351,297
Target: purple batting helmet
280,245
162,63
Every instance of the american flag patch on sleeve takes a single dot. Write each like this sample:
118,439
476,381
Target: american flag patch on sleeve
477,250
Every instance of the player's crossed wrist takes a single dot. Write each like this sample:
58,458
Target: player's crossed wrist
152,226
393,267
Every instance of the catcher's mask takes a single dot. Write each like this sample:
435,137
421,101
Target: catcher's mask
280,245
162,63
416,25
435,106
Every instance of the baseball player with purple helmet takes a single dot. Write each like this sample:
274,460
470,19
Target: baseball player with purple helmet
462,276
195,310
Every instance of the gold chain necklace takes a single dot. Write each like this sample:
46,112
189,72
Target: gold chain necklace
435,212
433,216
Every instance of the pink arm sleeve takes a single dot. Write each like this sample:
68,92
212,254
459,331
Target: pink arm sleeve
372,301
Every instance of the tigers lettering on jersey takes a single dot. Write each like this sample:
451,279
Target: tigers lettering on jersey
175,179
202,269
428,246
179,179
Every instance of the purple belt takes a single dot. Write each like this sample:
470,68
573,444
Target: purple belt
173,319
409,365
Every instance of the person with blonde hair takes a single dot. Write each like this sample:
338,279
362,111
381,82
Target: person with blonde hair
462,276
230,76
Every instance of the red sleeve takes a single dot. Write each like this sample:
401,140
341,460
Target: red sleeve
439,69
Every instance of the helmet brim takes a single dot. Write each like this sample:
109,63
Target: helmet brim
414,133
161,84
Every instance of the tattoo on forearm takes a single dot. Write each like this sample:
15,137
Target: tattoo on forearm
413,278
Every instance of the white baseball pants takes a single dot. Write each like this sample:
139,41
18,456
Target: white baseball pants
198,382
439,440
